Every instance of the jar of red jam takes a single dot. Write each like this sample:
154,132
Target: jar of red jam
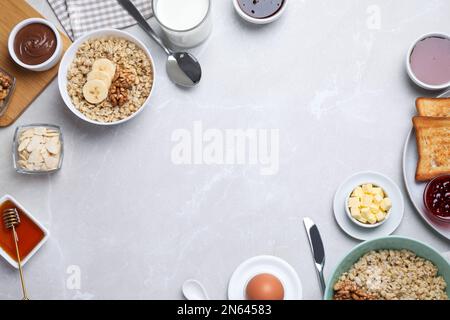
437,198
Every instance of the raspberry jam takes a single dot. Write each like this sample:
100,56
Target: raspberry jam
437,198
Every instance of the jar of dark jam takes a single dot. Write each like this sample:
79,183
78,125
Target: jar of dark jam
437,198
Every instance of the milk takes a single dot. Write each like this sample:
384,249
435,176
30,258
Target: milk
186,22
181,14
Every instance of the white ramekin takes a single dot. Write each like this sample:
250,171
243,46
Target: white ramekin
365,225
267,20
410,71
69,56
25,259
52,61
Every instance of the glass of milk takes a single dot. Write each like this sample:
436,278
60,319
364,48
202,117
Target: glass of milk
186,23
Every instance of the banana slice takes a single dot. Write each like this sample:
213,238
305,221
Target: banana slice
99,75
95,91
106,66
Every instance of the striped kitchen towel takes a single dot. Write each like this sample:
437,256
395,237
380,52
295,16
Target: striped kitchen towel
81,16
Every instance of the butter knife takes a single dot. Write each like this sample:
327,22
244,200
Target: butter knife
317,249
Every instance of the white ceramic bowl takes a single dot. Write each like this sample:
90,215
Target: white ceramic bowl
25,259
50,63
365,225
410,71
267,20
69,57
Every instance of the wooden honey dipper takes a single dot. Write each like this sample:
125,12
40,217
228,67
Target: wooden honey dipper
11,219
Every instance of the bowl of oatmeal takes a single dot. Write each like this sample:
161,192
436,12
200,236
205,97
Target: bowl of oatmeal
390,268
106,77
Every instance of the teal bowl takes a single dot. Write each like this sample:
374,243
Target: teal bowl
392,242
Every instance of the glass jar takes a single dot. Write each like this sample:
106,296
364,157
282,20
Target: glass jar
51,131
7,86
186,23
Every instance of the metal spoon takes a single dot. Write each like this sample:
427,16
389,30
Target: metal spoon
194,290
182,67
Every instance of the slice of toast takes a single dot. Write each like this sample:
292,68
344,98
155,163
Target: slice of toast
433,107
433,145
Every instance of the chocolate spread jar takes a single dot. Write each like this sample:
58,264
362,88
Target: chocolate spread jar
35,43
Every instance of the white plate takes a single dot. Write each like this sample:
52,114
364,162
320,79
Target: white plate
414,188
265,264
395,215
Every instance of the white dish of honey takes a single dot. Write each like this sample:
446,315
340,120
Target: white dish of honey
31,234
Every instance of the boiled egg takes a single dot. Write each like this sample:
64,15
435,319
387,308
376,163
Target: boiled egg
265,287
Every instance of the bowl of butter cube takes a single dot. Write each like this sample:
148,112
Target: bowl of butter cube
368,205
38,149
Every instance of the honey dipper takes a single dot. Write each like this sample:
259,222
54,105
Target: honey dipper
11,220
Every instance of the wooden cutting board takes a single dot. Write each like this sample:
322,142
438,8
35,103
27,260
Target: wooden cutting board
29,84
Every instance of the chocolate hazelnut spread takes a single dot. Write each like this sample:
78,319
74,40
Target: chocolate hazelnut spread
35,43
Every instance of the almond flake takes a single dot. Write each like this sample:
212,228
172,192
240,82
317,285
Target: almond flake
40,131
35,157
34,143
53,146
51,163
23,144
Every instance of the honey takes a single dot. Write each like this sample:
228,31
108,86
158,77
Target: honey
28,232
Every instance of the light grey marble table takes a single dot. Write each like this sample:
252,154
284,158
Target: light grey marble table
127,222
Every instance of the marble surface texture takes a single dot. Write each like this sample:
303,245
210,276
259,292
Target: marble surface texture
132,224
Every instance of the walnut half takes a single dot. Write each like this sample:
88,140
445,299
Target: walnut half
347,290
122,83
5,85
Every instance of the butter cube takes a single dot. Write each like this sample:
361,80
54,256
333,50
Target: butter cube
366,200
353,202
374,208
367,188
358,192
378,191
377,199
365,212
355,212
380,216
372,219
386,204
361,219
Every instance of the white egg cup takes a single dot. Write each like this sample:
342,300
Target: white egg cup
265,264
